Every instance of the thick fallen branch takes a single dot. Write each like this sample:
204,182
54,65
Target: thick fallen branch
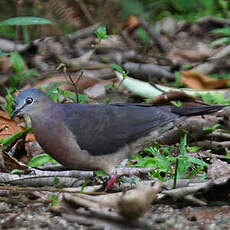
146,71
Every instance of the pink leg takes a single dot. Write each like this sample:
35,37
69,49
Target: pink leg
111,181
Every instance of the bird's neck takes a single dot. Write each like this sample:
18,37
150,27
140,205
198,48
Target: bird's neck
45,115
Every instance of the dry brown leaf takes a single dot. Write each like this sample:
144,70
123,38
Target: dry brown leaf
166,98
196,80
10,163
134,203
188,56
131,24
30,137
7,126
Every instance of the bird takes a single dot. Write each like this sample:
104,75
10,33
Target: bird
97,136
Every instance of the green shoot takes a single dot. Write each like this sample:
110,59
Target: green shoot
211,128
9,140
41,159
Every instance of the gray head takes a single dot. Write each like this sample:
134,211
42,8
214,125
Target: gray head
30,101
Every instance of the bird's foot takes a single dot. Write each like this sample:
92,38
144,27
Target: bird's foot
111,182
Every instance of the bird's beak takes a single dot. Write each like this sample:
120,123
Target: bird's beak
16,112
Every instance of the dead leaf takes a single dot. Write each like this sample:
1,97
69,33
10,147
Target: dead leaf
131,24
134,203
7,127
10,163
166,98
196,80
188,56
219,171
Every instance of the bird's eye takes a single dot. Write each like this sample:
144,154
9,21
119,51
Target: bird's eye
29,100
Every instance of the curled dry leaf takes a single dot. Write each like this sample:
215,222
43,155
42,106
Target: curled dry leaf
10,163
9,127
196,80
134,203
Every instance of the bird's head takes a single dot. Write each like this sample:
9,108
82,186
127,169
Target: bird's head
30,101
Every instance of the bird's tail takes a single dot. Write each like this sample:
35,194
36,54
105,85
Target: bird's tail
196,110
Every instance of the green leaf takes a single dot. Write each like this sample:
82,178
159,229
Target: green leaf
197,161
225,31
211,128
41,159
25,21
143,35
8,31
227,156
177,82
86,182
220,42
132,7
183,166
217,98
3,54
183,145
117,68
17,62
100,173
8,140
10,101
17,171
101,32
176,103
54,200
193,149
108,87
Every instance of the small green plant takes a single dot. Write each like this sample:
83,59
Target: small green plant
10,101
188,165
168,166
143,36
53,91
54,199
177,83
18,171
224,40
217,98
101,33
21,74
120,70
